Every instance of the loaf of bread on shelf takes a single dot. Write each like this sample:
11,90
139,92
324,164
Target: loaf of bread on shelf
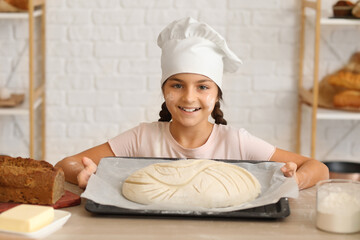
347,98
25,180
342,8
346,79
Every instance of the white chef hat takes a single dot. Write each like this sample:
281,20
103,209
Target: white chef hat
189,46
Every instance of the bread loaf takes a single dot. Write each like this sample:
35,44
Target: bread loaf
348,98
26,180
346,79
342,8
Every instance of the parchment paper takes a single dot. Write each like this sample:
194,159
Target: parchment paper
105,186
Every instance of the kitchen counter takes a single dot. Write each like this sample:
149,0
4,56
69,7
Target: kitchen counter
299,225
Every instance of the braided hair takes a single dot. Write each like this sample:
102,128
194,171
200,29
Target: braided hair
217,114
165,115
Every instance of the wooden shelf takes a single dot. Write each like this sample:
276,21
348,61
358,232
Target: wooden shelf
19,15
320,106
35,96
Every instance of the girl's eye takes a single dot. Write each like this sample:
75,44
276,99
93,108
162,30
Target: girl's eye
203,87
177,85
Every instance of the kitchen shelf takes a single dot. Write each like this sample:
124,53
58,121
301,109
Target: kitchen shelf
312,98
331,114
306,97
22,109
339,21
35,98
19,15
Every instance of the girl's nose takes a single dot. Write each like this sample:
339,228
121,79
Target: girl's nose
189,95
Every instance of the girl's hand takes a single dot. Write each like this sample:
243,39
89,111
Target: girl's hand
89,168
289,170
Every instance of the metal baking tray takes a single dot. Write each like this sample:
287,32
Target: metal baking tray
277,210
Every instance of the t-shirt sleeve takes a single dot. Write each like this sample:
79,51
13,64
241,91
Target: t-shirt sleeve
254,148
125,144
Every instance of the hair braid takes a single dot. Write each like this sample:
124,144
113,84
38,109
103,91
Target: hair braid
165,115
218,115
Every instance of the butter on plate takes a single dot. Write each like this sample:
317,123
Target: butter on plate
26,218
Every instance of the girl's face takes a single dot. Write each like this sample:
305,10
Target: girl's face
190,98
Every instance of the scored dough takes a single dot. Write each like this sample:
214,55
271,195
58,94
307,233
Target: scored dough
192,183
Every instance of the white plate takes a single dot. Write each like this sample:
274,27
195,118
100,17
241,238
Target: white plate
60,219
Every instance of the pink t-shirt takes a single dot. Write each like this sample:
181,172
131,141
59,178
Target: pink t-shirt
225,142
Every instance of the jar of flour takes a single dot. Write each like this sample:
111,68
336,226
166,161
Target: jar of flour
338,206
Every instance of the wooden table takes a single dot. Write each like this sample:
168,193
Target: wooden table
299,225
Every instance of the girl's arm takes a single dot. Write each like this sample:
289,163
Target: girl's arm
84,163
307,171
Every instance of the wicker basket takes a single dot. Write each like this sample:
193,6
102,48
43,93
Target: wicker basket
13,5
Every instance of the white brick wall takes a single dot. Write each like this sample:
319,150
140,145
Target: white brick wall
103,71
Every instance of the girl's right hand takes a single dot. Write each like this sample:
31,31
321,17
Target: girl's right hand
89,168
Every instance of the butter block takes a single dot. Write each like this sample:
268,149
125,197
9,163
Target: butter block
26,218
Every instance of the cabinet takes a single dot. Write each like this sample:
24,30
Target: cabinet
35,96
317,113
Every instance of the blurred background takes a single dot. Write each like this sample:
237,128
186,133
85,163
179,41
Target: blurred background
103,71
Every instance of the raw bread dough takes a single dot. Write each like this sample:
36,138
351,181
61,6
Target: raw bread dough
192,183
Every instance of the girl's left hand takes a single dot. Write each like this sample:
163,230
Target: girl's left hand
289,170
89,169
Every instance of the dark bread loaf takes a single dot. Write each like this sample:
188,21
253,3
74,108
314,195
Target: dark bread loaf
342,8
25,180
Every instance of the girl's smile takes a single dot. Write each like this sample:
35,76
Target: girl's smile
189,110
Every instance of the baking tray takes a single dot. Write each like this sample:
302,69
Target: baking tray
277,210
281,209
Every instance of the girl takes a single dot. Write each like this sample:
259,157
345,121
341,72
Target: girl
194,57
